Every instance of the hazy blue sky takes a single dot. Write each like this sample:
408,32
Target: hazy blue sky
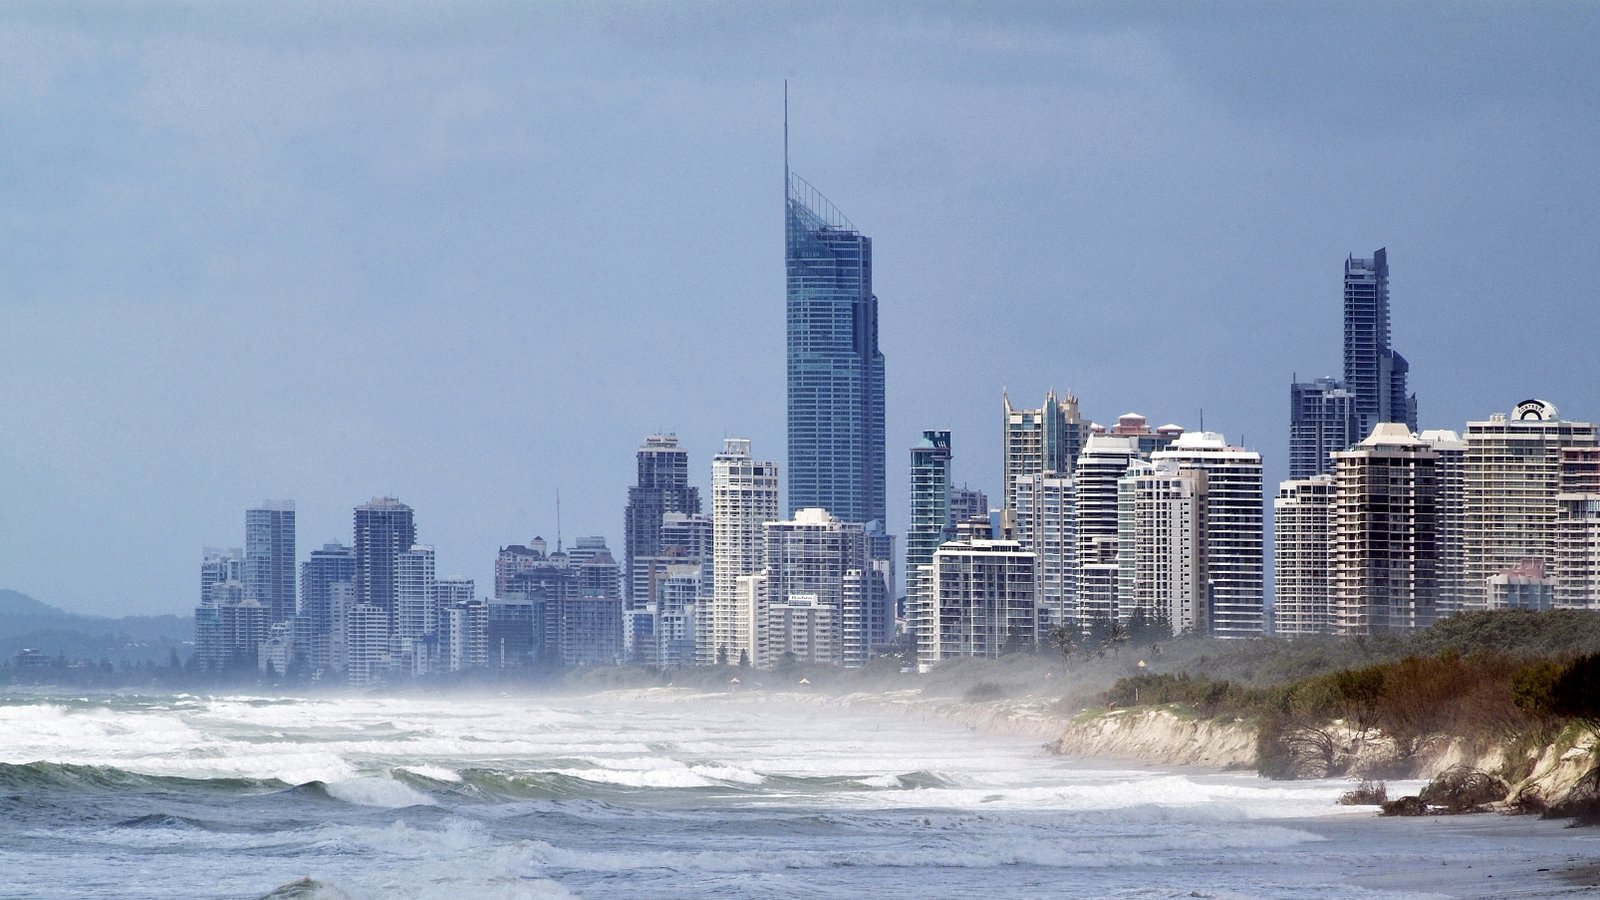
469,255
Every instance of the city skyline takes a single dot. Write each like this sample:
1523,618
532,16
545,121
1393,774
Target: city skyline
338,277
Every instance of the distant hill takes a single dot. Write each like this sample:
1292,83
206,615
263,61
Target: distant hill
29,623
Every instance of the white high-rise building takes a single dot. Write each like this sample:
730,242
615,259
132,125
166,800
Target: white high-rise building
982,601
1385,559
1235,533
1047,524
678,602
1162,558
1578,530
744,497
1513,479
827,560
416,622
1302,558
1104,459
467,646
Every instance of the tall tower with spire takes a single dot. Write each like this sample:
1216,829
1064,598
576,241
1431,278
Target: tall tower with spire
835,371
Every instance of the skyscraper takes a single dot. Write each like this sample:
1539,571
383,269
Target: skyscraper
269,558
1322,421
1234,536
1450,513
1047,525
1162,563
930,499
1385,556
826,560
744,497
1374,373
334,564
1303,543
662,487
835,372
384,529
979,601
1104,460
416,618
1040,441
1513,487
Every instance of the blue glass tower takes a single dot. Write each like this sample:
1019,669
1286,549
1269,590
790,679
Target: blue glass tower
835,372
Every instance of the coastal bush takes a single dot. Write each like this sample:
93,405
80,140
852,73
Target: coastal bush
1461,789
984,691
1367,793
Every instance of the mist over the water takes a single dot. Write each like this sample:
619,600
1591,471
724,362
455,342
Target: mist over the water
653,793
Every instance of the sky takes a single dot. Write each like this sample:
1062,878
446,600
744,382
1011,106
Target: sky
470,254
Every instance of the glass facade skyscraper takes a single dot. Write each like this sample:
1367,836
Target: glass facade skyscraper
1374,373
835,372
269,563
930,500
1322,421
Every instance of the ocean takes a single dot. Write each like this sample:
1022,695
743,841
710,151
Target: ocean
127,795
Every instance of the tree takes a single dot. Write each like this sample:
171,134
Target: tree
1576,693
744,659
1116,635
1065,639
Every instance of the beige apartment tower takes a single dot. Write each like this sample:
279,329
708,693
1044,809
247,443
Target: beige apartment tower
1302,539
1385,534
1512,494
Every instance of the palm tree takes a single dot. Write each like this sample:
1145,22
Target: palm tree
1116,635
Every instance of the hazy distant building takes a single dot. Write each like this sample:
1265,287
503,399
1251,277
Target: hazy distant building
835,371
513,560
1513,483
333,564
1385,539
367,651
1373,372
384,529
269,558
1039,441
217,565
229,630
679,599
467,642
416,617
966,503
661,487
1303,556
744,497
1322,421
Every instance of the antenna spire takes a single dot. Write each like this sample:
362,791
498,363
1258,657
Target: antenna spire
786,137
558,520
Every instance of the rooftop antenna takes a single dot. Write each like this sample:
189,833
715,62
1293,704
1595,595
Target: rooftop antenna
558,520
1202,418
